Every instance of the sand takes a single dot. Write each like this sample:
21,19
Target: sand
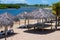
21,34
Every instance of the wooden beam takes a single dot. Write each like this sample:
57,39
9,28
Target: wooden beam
6,28
28,24
51,24
25,23
19,22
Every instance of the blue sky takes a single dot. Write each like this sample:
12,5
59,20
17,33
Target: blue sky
29,1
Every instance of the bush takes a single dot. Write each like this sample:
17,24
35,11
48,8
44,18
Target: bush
4,6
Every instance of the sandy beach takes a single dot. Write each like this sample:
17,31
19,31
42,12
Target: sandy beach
24,34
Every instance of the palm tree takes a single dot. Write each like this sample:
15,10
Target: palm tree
56,11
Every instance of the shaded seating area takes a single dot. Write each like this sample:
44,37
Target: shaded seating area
6,23
47,19
38,26
42,14
9,32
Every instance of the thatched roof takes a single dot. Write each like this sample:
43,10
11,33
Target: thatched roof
49,12
8,15
42,13
24,15
38,13
5,20
21,15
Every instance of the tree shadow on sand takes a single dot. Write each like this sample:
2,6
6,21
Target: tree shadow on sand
39,31
2,36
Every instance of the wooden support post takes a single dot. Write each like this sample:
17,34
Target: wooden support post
25,23
37,25
40,20
28,24
6,28
37,20
19,22
42,25
51,23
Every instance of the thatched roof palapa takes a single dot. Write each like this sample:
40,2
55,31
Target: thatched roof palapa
6,20
42,13
38,13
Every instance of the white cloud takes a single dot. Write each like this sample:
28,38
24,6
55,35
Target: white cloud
44,1
21,1
13,1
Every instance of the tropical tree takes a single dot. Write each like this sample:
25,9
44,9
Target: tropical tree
56,8
56,11
5,6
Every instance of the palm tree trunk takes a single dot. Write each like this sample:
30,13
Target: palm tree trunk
56,23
